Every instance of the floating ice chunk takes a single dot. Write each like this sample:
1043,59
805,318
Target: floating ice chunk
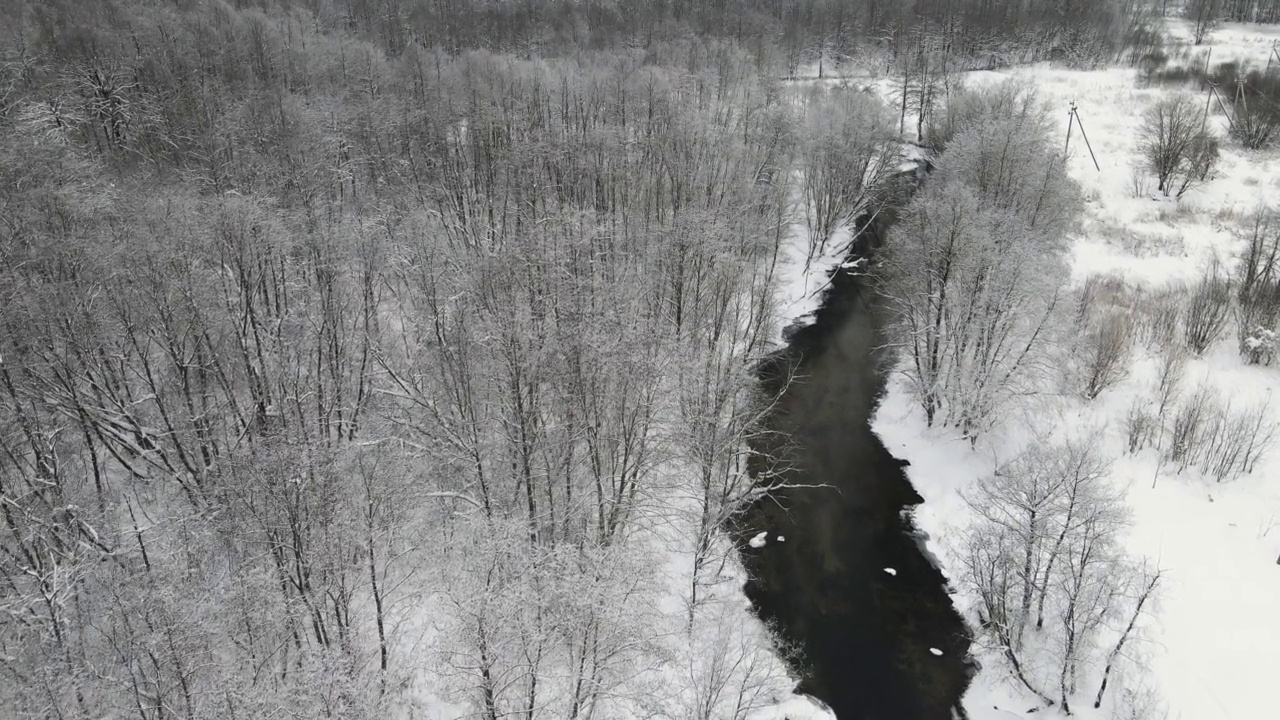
781,539
891,571
936,651
759,540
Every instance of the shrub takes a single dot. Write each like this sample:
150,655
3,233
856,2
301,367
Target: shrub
1162,317
1106,351
1207,311
1202,156
1259,346
1139,185
1222,442
1140,426
1174,144
1257,281
1171,367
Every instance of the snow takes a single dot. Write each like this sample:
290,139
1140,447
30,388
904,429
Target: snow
800,707
800,283
727,624
802,279
1213,647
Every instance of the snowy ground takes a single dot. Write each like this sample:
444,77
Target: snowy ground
1213,647
800,292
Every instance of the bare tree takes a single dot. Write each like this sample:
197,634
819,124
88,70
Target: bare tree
1176,146
1041,556
1204,16
846,156
1145,591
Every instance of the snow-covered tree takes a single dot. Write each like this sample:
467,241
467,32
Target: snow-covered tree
972,273
1042,558
846,154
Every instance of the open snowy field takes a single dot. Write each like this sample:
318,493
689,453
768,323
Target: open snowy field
1210,646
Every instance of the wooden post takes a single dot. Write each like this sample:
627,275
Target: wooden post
1076,115
1071,118
1230,122
1208,98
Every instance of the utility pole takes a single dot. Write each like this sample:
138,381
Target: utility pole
1073,117
1209,97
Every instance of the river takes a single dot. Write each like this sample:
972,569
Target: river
869,638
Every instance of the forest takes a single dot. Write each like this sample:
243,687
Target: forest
395,358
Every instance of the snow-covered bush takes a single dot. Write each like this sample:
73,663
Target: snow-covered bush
1103,335
1171,366
1259,346
1202,157
1160,318
1139,703
1139,182
1257,281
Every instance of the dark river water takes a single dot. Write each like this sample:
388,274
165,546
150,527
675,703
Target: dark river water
866,636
